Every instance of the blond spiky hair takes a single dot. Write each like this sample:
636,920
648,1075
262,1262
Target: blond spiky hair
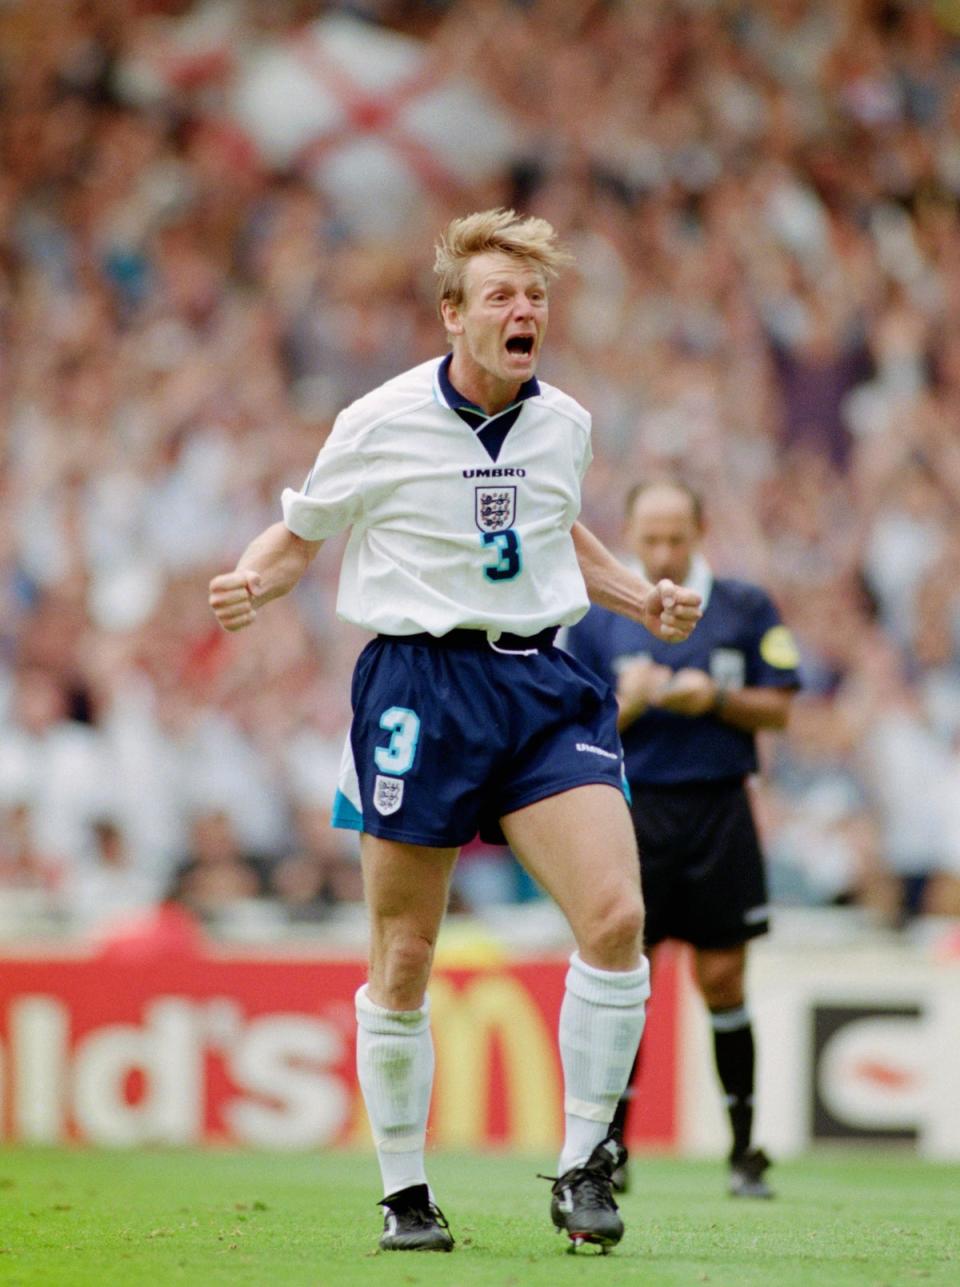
491,231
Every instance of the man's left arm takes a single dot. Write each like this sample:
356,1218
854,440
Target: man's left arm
668,611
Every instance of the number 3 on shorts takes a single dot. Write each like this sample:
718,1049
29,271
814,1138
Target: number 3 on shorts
509,562
397,756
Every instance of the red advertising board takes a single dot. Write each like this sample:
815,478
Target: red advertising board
197,1047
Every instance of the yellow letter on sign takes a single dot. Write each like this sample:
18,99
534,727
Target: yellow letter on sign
466,1022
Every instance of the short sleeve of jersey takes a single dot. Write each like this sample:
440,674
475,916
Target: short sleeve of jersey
332,496
587,456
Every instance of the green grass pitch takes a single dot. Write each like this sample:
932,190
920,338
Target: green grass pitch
73,1218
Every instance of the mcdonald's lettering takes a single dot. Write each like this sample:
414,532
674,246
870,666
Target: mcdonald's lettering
261,1053
493,1016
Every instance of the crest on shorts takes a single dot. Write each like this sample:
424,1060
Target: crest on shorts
387,794
496,508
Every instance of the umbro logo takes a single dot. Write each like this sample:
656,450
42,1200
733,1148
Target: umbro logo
494,473
596,750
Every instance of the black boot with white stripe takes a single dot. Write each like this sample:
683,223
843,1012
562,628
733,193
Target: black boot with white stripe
411,1222
747,1175
582,1204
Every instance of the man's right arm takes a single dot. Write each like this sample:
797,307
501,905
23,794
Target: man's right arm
270,566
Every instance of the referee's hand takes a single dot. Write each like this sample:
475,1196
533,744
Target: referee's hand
690,692
232,598
671,611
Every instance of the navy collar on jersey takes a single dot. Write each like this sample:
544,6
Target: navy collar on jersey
490,430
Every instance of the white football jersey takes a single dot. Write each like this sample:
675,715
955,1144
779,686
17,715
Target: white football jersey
452,526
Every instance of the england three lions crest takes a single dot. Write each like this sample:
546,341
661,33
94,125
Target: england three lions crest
387,794
496,508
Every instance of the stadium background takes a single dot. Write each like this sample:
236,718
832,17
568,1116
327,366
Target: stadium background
215,229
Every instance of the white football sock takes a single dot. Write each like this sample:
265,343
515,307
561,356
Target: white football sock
395,1070
601,1023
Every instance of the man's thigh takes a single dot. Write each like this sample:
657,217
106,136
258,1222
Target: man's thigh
579,845
406,882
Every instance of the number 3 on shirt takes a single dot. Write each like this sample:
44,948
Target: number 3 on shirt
398,755
508,562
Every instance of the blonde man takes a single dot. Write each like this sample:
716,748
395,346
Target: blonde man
460,482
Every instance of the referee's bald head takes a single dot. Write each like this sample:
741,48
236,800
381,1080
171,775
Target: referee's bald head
675,485
664,527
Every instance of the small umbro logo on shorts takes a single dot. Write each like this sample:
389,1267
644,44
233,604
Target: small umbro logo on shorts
387,794
597,750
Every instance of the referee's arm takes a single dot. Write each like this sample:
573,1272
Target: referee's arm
692,693
753,709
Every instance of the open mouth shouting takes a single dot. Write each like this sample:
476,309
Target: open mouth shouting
520,346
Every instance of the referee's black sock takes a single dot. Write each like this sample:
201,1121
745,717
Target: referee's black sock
734,1052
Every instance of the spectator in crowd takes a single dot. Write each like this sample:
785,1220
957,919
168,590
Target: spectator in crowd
909,774
52,762
821,836
108,886
22,865
217,873
320,873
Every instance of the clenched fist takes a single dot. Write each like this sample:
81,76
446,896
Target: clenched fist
232,598
671,611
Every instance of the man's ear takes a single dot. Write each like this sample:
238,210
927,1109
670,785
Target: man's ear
451,317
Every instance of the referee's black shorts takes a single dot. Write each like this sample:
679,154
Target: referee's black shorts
701,865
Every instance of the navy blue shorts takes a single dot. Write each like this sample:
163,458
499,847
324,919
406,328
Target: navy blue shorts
450,735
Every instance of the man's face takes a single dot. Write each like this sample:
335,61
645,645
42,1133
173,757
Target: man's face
663,532
501,322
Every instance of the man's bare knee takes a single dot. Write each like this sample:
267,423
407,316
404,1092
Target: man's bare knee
400,970
614,939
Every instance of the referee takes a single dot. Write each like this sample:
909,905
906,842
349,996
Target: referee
689,713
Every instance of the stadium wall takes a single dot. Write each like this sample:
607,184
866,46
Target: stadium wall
203,1048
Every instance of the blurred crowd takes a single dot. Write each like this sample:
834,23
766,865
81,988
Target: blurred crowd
762,197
